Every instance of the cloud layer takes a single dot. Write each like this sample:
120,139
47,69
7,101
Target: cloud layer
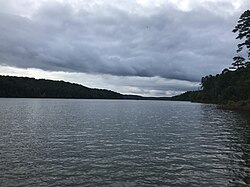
166,39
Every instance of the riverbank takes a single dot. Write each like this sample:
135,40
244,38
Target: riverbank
240,105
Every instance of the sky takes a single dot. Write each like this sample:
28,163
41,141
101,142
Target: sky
143,47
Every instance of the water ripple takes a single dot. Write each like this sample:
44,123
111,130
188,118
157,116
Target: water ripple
121,143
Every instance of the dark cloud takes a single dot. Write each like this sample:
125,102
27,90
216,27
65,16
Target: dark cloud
120,39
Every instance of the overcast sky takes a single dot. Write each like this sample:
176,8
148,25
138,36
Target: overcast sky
145,47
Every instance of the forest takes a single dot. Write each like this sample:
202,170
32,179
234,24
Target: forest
232,85
229,86
23,87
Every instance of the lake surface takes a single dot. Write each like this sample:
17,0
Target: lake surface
50,142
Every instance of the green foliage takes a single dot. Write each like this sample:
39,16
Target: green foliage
195,96
22,87
230,86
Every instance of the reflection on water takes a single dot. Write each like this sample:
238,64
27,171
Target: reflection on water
121,143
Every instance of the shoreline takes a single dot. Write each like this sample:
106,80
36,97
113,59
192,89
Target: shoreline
237,106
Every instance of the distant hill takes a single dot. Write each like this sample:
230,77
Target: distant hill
137,97
23,87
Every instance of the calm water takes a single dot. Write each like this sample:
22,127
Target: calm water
121,143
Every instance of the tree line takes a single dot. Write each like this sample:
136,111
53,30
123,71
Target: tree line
23,87
233,84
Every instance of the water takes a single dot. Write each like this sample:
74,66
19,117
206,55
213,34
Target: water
121,143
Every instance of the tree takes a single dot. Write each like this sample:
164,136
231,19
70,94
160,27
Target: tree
239,62
243,30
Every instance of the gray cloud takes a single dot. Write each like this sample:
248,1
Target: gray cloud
121,39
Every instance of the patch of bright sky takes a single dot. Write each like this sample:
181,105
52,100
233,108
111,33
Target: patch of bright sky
148,3
237,3
188,5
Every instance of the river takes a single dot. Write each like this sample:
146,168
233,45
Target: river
57,142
